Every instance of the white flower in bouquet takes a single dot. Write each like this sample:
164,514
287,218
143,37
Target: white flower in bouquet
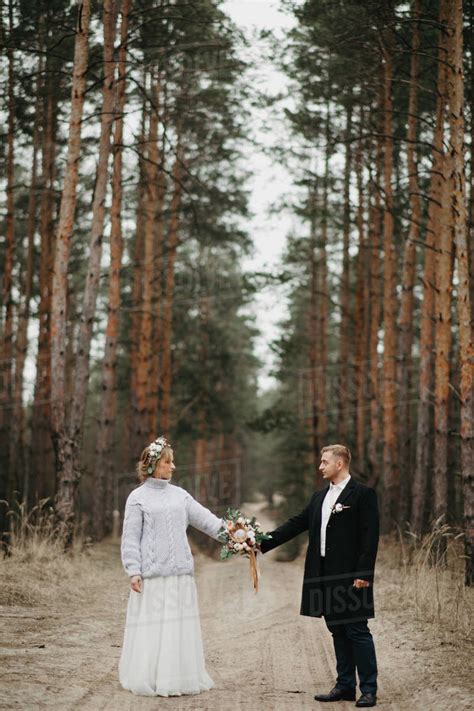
241,535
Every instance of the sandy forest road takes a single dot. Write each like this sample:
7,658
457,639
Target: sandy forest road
260,652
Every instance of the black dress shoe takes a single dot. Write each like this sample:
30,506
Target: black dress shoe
366,700
337,694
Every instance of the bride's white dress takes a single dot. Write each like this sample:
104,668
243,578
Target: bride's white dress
162,652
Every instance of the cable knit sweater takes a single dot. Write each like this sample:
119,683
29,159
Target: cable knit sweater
154,540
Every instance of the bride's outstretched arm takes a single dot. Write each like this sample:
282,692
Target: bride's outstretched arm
202,518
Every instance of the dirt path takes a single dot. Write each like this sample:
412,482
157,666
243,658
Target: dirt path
260,652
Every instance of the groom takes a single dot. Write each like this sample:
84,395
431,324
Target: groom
343,524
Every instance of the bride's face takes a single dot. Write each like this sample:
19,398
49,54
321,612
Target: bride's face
165,468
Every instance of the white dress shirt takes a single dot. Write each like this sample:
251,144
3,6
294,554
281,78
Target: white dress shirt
329,500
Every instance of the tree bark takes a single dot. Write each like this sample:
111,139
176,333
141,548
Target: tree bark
313,328
406,320
104,459
171,249
375,300
42,452
443,340
201,455
158,263
135,440
391,479
6,351
86,322
144,386
425,425
63,444
19,460
471,166
459,218
323,375
344,334
360,315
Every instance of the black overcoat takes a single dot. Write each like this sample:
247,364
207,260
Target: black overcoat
352,537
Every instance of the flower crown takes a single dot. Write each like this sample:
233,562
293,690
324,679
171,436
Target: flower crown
155,450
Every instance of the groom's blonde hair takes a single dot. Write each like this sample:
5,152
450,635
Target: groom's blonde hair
339,450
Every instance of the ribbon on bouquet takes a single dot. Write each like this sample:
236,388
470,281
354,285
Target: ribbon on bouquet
254,571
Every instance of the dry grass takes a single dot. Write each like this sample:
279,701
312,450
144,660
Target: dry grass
430,574
38,569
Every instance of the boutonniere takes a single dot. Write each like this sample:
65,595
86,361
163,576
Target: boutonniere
337,508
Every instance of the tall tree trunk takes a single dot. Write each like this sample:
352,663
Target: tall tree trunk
157,295
471,166
148,320
19,460
313,327
344,333
134,440
200,459
91,290
443,332
201,454
104,460
42,452
459,217
360,316
391,494
405,361
426,377
322,282
443,340
171,248
6,350
64,445
375,300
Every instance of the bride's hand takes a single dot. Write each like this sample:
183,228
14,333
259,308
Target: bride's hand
136,583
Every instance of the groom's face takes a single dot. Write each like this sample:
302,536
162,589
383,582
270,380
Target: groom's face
330,465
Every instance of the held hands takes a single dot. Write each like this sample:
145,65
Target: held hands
358,583
136,583
257,550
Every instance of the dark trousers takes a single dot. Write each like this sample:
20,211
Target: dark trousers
354,648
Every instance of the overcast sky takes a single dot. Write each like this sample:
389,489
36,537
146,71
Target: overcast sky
269,180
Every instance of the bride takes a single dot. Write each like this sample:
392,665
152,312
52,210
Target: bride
162,652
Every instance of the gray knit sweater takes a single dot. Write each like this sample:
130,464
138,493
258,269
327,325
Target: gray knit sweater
154,540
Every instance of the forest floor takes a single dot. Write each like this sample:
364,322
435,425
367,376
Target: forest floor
63,653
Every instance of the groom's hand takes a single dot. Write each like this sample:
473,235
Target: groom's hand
358,583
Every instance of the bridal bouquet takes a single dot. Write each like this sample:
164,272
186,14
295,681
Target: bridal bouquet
242,536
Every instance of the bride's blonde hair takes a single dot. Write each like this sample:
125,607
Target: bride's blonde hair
146,460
